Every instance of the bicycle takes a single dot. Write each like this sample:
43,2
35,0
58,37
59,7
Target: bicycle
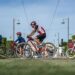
29,51
2,50
70,53
47,49
14,50
11,50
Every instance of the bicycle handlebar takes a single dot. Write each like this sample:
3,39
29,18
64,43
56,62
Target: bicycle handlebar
29,38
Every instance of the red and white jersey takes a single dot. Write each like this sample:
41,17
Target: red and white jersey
41,30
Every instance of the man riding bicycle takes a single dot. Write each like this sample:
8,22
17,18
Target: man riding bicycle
20,40
40,30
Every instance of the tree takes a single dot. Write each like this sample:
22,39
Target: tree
73,37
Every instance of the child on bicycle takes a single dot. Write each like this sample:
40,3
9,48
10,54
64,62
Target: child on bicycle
20,40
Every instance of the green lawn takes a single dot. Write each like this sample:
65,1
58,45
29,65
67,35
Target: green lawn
36,67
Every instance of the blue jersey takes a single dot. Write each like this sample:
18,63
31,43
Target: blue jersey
20,40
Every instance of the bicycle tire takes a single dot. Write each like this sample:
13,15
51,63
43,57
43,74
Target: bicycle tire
51,51
70,53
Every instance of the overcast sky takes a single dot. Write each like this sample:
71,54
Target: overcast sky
41,11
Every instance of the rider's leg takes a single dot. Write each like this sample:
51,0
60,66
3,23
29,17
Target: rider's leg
20,51
38,43
39,39
46,52
32,45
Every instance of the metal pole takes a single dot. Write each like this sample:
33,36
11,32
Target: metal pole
13,29
58,39
68,29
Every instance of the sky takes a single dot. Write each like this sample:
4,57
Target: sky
43,12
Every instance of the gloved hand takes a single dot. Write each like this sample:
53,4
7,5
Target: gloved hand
28,36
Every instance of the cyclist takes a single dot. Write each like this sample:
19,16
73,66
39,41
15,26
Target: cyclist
20,40
40,30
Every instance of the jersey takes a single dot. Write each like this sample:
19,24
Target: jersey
40,30
20,40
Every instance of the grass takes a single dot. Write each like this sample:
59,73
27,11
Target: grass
36,67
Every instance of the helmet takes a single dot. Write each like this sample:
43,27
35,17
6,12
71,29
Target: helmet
18,33
33,23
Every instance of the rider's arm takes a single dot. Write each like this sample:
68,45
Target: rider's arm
34,30
16,40
32,33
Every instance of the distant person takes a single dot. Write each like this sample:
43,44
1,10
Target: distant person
74,44
20,40
70,44
0,40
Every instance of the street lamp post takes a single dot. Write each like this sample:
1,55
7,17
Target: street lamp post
67,27
58,39
14,28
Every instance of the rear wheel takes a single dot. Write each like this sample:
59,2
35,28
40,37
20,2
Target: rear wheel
51,49
11,53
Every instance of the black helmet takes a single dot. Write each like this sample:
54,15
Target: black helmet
33,23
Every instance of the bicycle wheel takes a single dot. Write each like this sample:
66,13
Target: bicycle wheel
18,53
28,51
2,50
70,53
11,53
51,49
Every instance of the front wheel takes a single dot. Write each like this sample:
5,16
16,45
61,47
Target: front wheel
70,53
28,51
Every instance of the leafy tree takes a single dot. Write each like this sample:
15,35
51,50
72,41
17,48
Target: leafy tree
73,37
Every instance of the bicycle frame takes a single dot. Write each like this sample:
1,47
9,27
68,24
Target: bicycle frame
33,44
